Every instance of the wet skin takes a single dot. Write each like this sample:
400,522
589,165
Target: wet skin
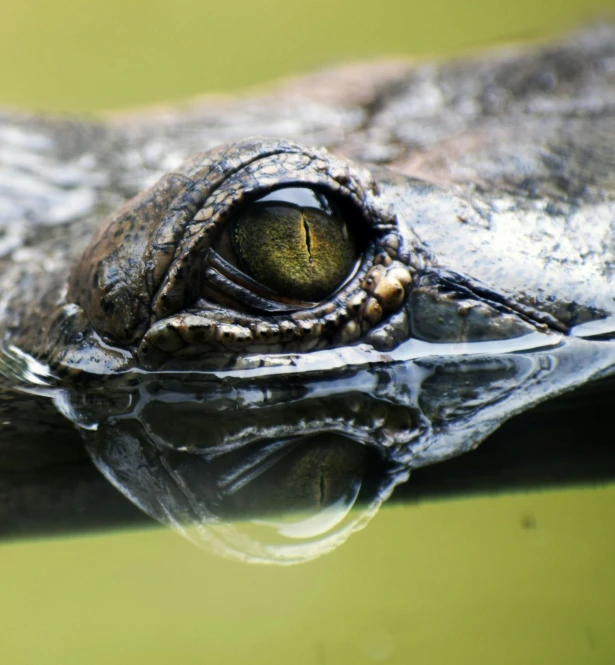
461,203
495,221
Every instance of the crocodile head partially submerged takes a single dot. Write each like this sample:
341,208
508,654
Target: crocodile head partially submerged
483,225
267,247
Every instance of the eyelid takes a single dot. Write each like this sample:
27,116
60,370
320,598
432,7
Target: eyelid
254,295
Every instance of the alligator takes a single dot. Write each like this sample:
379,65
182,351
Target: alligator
309,323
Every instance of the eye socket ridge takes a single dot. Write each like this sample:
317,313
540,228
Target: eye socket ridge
208,300
199,218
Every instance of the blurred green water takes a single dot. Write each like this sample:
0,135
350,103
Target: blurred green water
454,582
71,55
463,582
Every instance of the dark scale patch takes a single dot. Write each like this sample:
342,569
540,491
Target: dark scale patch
108,306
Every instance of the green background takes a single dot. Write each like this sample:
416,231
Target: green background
453,582
74,55
461,583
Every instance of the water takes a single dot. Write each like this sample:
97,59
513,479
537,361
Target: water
526,575
284,468
56,56
464,581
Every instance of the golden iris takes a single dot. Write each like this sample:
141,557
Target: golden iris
295,242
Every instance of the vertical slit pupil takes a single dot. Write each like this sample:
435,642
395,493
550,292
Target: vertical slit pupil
308,239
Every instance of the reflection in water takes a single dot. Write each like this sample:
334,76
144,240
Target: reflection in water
262,473
284,468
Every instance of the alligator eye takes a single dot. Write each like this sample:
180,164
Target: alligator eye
295,241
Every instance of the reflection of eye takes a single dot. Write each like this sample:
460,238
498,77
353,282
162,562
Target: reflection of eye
294,242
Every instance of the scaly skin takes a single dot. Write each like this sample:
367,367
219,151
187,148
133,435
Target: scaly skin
485,189
501,166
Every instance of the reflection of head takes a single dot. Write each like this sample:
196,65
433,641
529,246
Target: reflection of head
277,502
268,468
300,506
282,481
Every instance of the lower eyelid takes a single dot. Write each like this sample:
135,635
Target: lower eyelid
265,301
